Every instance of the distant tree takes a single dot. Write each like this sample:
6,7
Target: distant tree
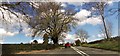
21,43
82,34
109,29
62,36
78,42
35,41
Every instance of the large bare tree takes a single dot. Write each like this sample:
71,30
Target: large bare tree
51,20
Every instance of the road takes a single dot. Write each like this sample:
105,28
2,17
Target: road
82,51
73,51
97,52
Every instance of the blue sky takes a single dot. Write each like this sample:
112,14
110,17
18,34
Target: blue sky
90,25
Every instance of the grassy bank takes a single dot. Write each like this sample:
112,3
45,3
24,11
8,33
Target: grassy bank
13,48
111,44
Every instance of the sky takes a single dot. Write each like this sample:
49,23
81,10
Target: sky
91,25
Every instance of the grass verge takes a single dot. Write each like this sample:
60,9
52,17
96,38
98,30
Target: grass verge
113,44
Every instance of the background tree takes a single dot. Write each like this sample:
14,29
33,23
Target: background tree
109,29
78,42
98,9
82,34
35,41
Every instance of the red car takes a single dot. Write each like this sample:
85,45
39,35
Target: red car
67,45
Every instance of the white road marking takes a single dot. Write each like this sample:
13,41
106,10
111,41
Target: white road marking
80,52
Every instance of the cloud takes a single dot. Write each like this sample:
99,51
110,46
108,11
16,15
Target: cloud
73,0
8,16
82,15
27,31
114,35
92,21
64,5
76,3
100,35
3,32
70,36
83,18
93,38
110,2
62,10
86,0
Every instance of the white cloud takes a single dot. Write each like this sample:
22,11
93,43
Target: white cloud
92,20
40,41
73,0
114,35
110,2
72,38
86,0
3,32
10,34
82,15
64,5
76,3
7,16
62,10
100,35
27,31
69,36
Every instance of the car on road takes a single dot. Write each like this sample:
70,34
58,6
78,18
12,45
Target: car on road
67,45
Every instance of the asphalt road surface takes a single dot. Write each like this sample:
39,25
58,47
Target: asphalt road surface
97,52
73,51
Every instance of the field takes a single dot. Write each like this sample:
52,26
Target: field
13,48
111,44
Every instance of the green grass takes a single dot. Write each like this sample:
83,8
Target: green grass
112,44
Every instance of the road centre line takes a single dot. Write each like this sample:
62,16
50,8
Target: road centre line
79,51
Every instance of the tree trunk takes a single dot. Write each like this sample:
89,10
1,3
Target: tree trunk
105,27
45,39
101,10
55,40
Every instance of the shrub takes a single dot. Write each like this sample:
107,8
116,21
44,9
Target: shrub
78,42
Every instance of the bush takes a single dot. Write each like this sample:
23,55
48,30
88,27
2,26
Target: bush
35,41
78,42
